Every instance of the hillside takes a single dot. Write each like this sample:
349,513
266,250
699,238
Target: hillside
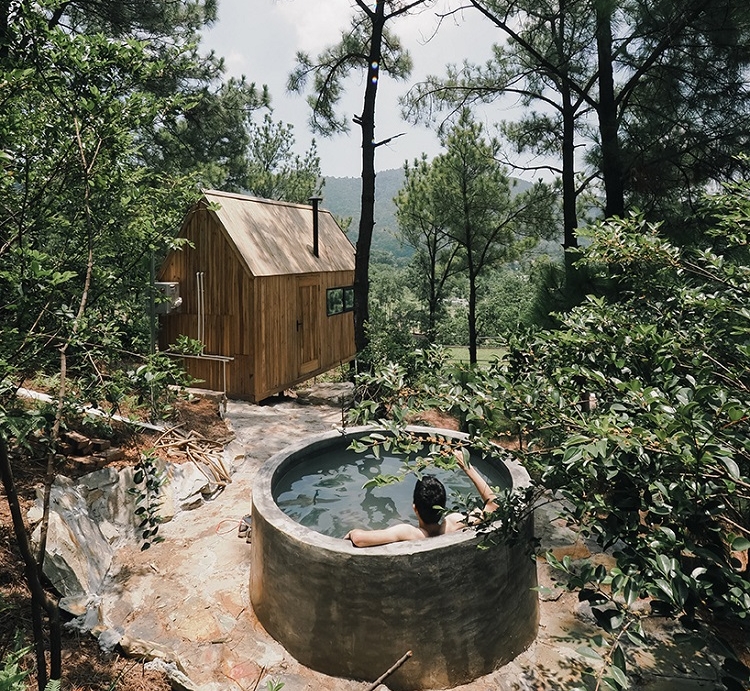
341,196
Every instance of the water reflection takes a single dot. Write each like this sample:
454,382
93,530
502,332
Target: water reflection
380,510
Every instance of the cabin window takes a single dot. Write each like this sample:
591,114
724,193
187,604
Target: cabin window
339,300
348,299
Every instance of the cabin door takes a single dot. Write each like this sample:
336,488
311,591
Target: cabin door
308,334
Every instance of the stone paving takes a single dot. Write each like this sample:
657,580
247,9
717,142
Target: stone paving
186,602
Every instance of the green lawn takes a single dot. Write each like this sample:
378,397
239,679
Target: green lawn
484,355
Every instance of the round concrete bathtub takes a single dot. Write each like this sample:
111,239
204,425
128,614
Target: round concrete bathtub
353,612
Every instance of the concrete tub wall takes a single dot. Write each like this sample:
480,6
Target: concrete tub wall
353,612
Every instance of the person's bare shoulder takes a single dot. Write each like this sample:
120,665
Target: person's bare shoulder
454,522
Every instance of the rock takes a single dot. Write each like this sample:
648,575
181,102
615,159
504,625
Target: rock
584,613
93,516
178,679
549,527
109,639
110,455
148,650
75,605
186,489
100,445
35,514
78,555
88,463
65,449
327,394
91,620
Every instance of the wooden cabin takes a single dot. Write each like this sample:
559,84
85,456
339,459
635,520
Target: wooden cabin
268,284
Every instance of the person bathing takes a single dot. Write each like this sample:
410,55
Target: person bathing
429,503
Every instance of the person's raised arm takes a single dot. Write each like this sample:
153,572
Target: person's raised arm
483,487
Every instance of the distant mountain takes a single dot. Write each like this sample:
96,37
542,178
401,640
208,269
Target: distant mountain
342,197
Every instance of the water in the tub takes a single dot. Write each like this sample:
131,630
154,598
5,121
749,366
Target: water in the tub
325,492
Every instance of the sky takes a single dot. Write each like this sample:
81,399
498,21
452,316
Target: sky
260,38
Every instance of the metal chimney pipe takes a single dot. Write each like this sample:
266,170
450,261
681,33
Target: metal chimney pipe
315,201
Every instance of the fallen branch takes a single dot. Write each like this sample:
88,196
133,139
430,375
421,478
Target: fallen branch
204,453
389,671
260,676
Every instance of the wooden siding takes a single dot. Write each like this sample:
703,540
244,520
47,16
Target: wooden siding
279,364
276,308
308,324
228,291
338,344
208,373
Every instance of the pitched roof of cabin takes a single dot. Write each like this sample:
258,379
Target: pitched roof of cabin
276,238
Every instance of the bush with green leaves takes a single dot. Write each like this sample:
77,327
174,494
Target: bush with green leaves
157,384
657,471
98,124
12,674
634,412
388,341
184,345
387,390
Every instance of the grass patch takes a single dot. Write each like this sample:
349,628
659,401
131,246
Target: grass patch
460,354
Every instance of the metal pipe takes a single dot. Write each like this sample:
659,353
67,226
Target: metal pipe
199,284
315,201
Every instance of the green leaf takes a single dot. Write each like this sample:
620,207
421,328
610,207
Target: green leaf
740,544
618,658
588,652
635,636
732,467
665,587
381,481
631,592
619,676
664,564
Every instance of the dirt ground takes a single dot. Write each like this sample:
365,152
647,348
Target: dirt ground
85,667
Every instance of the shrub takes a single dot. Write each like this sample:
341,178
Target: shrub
635,411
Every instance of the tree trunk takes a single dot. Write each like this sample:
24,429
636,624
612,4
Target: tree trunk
432,299
367,213
432,317
607,112
472,318
573,277
570,218
40,601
